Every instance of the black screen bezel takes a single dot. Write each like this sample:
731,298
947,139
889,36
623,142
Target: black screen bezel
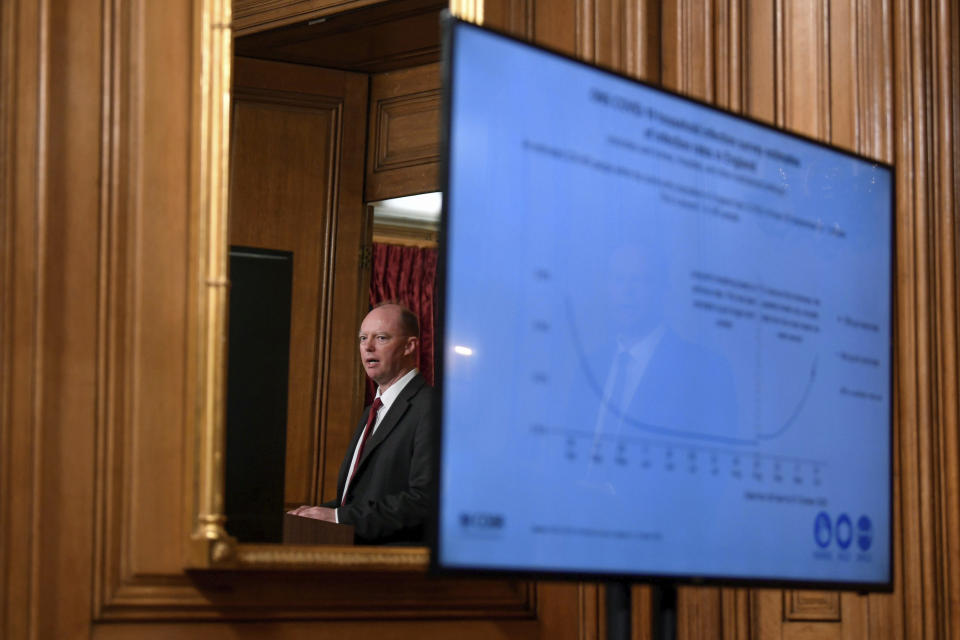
450,26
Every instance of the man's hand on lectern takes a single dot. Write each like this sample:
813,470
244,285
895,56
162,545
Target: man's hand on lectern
317,513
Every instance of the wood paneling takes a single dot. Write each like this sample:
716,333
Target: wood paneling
839,71
251,16
287,157
803,58
146,250
405,235
404,150
623,36
689,47
375,38
98,240
20,124
822,606
923,77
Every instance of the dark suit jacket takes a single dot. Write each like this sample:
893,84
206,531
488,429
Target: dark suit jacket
392,491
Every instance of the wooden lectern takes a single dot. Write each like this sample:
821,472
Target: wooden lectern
300,530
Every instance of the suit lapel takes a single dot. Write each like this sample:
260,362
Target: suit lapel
397,410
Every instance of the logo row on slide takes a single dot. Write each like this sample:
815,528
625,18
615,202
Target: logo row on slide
842,531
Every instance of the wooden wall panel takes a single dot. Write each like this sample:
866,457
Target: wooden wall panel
142,512
404,150
923,73
758,47
803,55
20,56
688,48
49,213
96,237
833,70
623,36
821,606
252,16
286,157
146,248
515,17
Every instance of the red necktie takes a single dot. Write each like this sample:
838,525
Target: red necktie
371,420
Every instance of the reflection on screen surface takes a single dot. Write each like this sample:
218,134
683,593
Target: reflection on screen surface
666,334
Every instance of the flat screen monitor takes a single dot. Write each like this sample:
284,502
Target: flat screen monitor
665,343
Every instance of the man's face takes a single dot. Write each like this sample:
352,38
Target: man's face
385,352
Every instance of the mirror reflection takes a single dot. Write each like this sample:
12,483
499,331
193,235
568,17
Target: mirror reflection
334,122
385,474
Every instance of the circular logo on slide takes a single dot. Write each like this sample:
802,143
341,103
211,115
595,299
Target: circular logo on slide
822,530
864,533
844,531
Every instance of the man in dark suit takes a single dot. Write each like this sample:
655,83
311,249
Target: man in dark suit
386,482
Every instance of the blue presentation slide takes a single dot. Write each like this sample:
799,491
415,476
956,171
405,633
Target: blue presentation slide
666,334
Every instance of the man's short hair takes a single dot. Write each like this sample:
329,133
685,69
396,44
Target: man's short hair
408,319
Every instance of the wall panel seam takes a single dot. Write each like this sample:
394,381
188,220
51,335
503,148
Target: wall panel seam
325,307
36,390
8,84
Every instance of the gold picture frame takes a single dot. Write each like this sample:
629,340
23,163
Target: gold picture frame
209,545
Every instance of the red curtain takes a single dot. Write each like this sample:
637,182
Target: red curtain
407,275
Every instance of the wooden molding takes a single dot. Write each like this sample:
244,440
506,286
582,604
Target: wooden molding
880,78
731,85
159,394
156,291
924,80
406,235
820,606
23,38
699,612
284,197
404,143
804,96
374,38
407,131
513,16
252,16
620,35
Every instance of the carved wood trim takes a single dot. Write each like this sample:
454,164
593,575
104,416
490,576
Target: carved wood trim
390,114
23,48
699,612
306,406
900,93
688,58
924,37
404,133
603,33
513,16
806,606
406,235
253,16
875,131
305,594
803,30
761,54
730,40
736,611
592,618
133,299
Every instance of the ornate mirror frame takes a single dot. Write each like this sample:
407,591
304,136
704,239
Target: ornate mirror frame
209,545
